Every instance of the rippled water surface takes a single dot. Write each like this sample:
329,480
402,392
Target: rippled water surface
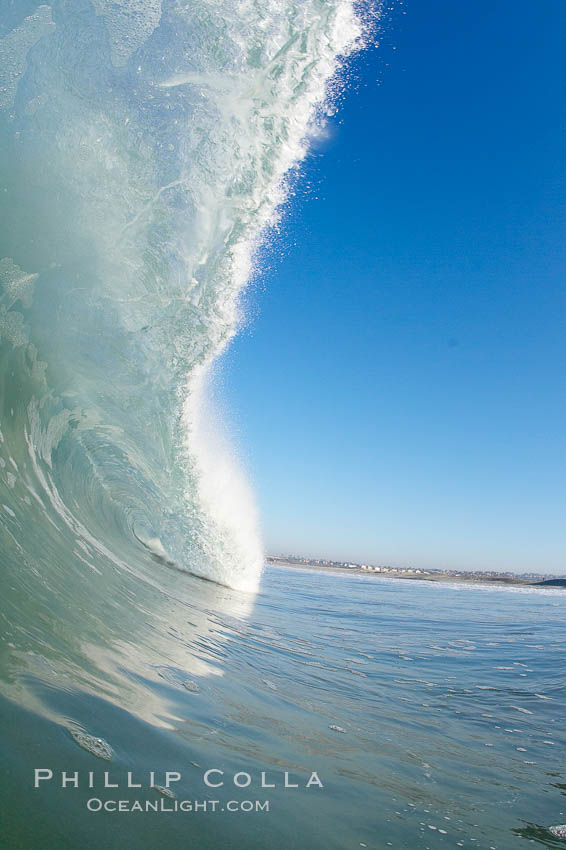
433,715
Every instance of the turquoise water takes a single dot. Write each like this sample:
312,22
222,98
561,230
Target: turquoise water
451,699
146,148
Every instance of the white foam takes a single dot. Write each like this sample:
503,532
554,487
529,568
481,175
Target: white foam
263,120
14,48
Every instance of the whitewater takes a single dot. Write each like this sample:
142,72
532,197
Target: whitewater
147,147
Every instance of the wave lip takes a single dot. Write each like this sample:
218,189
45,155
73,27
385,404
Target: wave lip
147,147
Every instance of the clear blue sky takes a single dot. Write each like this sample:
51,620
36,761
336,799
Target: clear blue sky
400,395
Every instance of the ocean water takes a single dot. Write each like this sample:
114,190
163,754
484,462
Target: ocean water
146,148
450,699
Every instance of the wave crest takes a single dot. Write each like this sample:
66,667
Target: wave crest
146,148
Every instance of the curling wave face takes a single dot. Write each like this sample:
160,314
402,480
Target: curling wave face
145,147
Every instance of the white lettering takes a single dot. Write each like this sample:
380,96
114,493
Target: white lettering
265,784
47,774
213,784
245,783
73,779
107,783
287,783
171,776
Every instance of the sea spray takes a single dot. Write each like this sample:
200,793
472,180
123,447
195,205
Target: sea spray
269,144
222,494
147,146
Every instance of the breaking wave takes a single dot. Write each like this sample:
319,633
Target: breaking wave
146,145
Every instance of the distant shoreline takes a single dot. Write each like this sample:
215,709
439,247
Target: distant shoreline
408,574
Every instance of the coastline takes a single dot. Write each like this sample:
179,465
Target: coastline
437,576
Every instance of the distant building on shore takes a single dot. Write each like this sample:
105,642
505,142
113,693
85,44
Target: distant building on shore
394,570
